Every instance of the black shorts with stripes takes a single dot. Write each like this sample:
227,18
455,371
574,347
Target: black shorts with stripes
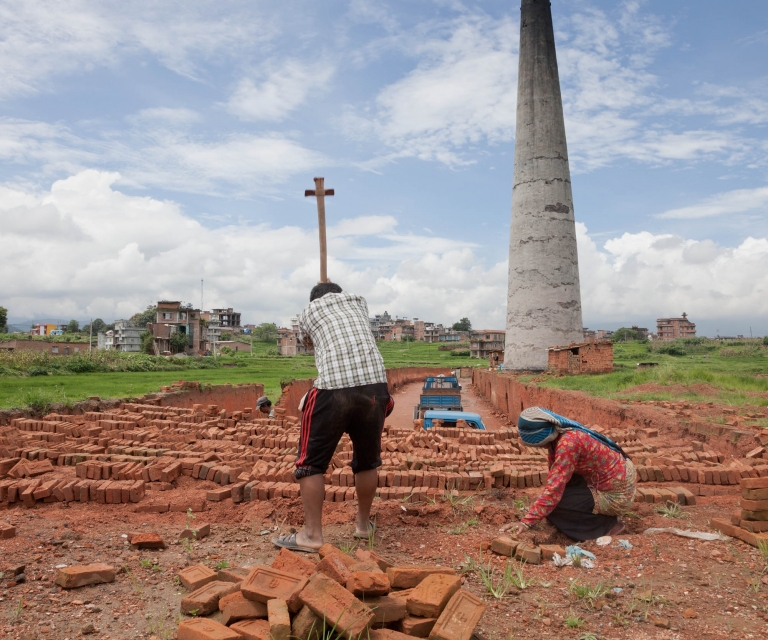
329,414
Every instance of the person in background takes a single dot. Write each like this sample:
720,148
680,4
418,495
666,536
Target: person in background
264,405
591,481
350,395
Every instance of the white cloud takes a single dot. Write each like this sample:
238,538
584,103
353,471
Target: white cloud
162,150
661,275
285,89
41,40
462,92
82,249
736,201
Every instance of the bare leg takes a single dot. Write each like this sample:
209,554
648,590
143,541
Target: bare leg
365,485
312,497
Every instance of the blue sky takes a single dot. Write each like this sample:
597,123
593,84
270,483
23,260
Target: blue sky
144,146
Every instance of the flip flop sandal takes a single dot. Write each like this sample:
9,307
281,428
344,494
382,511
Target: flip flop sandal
365,536
288,541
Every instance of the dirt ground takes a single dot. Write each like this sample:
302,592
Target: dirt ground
664,586
407,398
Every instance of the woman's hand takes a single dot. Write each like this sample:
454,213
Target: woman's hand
515,528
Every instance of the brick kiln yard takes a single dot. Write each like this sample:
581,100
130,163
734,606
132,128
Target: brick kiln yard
79,489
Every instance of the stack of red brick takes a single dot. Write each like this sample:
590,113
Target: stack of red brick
299,598
750,524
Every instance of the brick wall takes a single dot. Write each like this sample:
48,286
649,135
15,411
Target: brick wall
589,357
41,346
510,396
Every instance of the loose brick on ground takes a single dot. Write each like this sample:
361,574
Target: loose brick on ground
459,618
405,577
290,562
82,575
333,566
199,575
252,629
368,583
306,625
236,607
264,583
329,601
204,629
205,600
279,619
432,594
147,541
386,609
7,531
417,627
504,545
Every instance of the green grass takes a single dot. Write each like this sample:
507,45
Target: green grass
711,373
43,390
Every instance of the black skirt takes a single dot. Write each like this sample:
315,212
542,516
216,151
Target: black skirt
573,514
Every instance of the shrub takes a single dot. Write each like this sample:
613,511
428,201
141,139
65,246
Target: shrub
672,350
463,353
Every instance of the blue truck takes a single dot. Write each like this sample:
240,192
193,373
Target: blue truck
441,393
449,418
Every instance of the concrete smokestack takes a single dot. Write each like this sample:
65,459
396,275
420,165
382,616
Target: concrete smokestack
544,299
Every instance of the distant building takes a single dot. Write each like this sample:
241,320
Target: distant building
173,317
642,332
126,337
44,329
483,343
288,343
674,328
585,357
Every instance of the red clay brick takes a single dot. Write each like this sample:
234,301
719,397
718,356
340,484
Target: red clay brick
386,609
264,584
459,618
365,555
203,629
291,562
430,597
233,574
306,625
417,627
504,546
196,533
279,619
192,578
405,577
328,549
329,601
252,629
387,634
368,583
205,600
7,531
147,541
333,566
81,575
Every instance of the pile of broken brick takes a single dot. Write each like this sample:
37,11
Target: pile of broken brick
299,598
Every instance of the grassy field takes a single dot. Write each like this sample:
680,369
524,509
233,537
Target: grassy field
734,374
42,390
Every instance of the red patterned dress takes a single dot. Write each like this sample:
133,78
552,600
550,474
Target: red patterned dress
611,477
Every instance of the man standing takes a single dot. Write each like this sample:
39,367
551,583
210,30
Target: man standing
351,396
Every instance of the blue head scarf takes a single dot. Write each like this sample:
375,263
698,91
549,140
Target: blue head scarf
538,427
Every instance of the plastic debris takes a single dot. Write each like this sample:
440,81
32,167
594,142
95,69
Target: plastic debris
604,541
576,550
698,535
559,561
617,589
625,544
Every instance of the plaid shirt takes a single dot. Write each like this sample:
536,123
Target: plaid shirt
345,350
